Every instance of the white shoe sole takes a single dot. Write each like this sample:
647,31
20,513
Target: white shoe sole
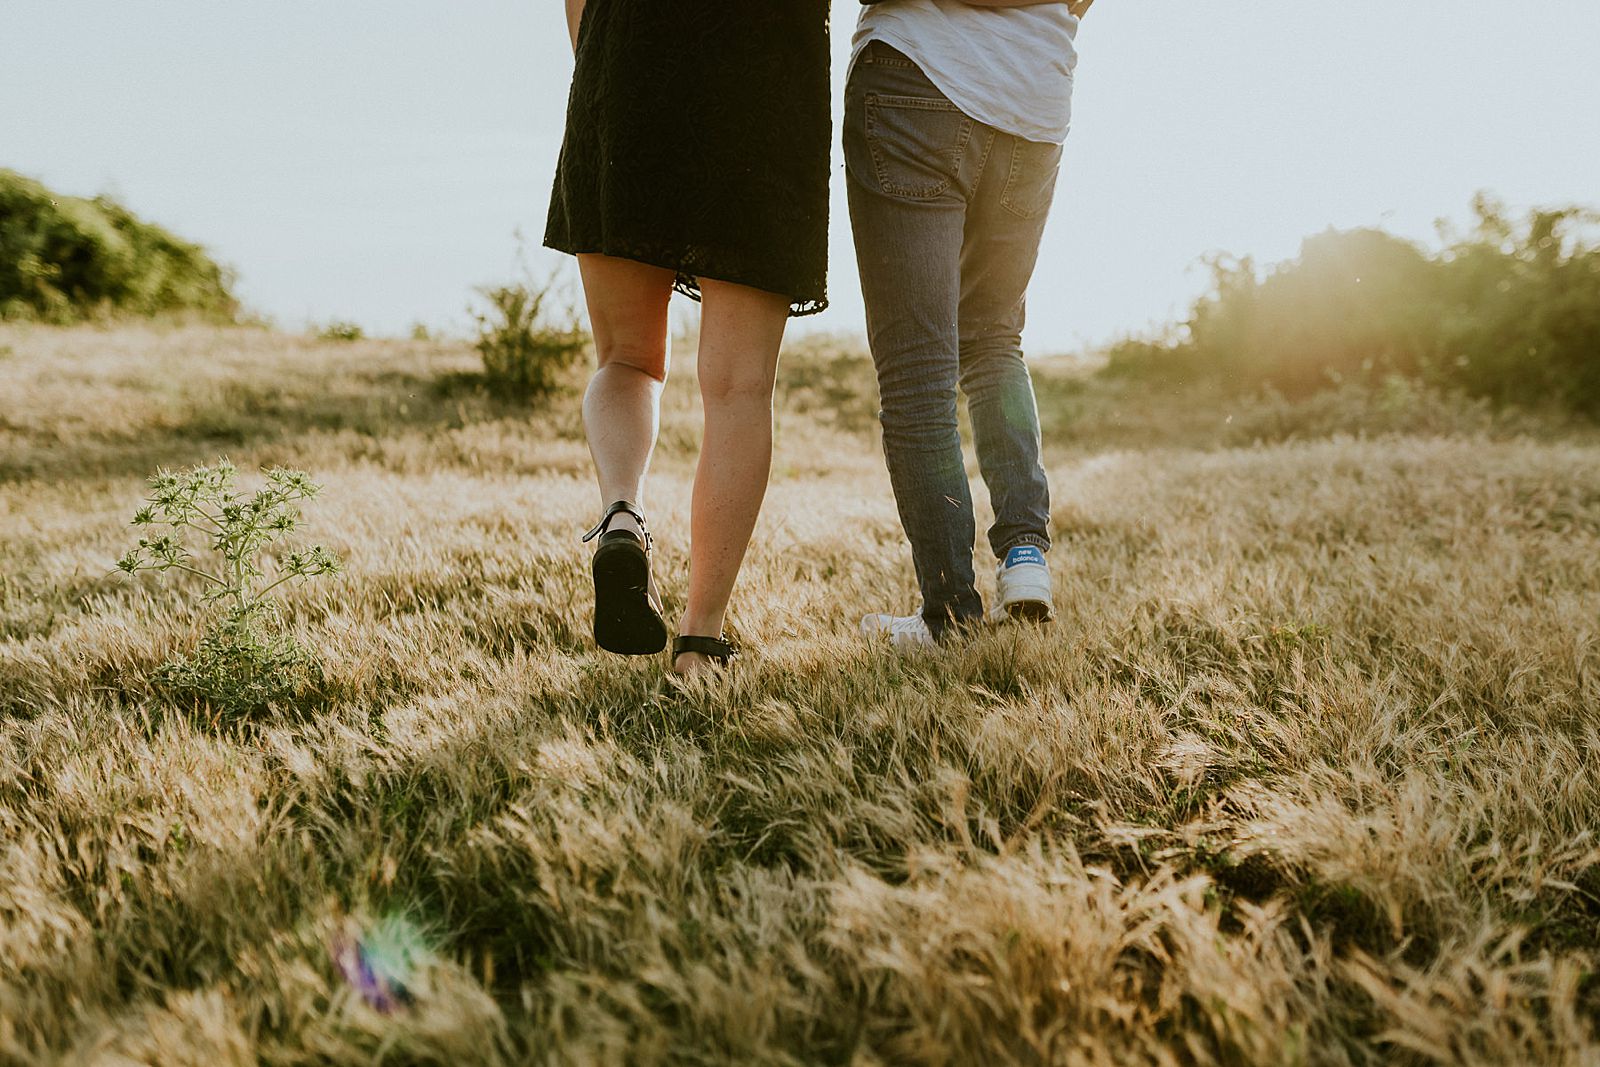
1034,611
1025,594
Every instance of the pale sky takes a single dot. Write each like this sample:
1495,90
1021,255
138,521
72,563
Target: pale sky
371,161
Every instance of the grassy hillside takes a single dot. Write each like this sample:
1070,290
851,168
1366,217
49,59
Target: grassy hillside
1307,772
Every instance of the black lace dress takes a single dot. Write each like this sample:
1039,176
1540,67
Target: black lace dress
698,136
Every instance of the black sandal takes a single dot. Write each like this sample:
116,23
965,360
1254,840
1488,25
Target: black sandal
627,611
718,650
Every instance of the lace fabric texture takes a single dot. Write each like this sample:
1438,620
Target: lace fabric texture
697,139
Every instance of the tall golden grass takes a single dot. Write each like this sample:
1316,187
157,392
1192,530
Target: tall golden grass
1308,771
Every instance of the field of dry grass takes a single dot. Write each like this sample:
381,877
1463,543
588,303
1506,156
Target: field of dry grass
1308,771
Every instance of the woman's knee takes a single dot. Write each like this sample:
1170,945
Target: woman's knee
741,331
628,312
647,356
742,388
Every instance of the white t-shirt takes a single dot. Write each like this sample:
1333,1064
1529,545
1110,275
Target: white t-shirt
1010,67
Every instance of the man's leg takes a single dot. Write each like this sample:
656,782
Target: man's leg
1005,222
904,150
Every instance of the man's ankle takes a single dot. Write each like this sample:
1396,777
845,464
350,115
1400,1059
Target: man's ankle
1030,540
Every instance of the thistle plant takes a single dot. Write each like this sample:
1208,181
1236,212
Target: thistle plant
246,660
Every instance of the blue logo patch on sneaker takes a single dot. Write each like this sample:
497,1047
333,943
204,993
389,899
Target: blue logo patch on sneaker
1024,554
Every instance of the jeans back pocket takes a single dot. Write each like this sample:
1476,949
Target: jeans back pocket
917,144
1031,178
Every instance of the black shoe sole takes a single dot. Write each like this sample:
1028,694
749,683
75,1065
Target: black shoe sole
625,622
1030,611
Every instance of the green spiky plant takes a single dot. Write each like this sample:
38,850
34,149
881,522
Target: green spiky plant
247,661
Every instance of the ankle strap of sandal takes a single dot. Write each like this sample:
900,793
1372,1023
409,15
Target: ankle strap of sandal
718,649
612,512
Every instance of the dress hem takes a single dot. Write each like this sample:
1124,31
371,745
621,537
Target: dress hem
688,283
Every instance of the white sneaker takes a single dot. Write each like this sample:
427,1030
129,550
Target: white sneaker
906,633
1023,586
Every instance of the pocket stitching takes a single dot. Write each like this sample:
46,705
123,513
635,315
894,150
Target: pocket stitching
888,61
922,103
916,103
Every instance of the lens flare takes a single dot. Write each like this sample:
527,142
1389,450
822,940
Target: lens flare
382,962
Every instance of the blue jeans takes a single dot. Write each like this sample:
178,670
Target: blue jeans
947,214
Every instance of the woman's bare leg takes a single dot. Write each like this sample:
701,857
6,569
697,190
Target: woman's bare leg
621,410
741,330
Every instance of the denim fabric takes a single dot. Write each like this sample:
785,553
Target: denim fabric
947,214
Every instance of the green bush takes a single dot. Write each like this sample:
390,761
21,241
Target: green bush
64,259
340,330
246,661
1521,320
526,348
1509,312
1354,303
1140,359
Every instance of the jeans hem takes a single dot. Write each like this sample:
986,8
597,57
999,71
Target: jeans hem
1039,541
